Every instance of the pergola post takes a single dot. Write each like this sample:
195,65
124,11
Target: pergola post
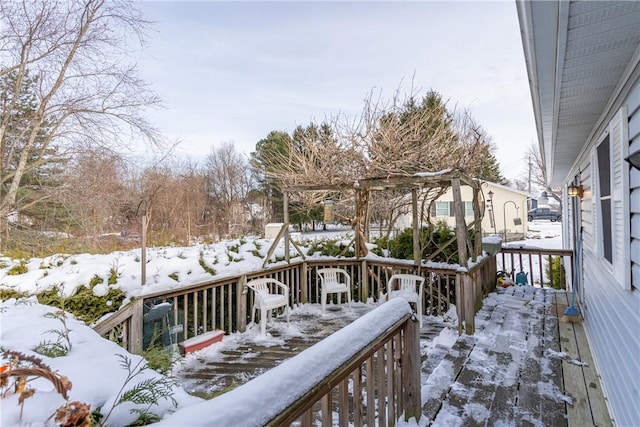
477,217
286,224
417,255
356,227
461,225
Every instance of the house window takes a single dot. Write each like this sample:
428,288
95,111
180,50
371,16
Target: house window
468,209
604,187
443,209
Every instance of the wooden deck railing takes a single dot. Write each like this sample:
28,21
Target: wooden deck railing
225,303
124,327
472,285
373,380
543,267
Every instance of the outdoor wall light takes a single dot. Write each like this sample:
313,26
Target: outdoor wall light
575,191
634,159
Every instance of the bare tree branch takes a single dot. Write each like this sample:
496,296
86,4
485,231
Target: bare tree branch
68,80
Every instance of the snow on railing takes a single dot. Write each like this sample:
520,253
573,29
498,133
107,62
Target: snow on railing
368,372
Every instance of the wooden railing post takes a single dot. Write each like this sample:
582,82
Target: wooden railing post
364,281
469,303
460,293
241,291
135,327
304,283
411,394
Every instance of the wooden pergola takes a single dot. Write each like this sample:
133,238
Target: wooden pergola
467,250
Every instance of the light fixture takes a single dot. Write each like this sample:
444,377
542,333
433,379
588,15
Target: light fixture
328,211
492,218
575,191
634,159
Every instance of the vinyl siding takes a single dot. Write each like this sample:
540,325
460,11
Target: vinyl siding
612,312
633,109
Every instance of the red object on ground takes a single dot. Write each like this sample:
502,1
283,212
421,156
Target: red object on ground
201,341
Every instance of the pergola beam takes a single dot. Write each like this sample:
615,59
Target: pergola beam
442,179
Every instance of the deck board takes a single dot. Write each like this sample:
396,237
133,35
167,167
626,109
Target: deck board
580,377
523,366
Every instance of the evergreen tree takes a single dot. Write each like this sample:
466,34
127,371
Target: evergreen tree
36,202
264,161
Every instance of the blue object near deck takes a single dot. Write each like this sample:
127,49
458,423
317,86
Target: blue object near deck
521,279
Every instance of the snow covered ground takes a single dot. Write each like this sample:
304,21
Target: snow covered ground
94,366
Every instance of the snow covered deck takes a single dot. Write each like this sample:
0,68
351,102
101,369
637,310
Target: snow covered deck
522,367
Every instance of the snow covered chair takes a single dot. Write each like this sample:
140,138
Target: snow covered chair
269,294
409,287
334,281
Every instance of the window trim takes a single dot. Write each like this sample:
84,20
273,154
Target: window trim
440,208
605,228
468,209
616,225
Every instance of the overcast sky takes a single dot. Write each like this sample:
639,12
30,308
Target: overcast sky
234,71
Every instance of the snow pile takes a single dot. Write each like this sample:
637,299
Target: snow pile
92,365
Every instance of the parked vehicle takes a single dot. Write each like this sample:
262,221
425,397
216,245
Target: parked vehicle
544,213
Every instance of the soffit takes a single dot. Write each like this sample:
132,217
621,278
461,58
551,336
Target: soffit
573,80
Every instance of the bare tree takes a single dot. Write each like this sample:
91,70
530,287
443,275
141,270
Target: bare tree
176,194
538,175
402,136
94,192
70,81
228,185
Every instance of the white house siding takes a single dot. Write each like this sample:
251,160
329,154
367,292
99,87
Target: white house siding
633,109
612,308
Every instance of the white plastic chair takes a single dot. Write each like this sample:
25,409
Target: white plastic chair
267,298
334,281
409,287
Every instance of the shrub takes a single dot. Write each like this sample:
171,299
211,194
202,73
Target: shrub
556,273
113,276
95,280
62,345
148,392
330,247
20,268
433,238
381,244
51,349
84,304
204,265
6,294
159,359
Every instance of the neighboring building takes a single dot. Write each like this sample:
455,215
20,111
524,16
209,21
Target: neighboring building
583,60
505,212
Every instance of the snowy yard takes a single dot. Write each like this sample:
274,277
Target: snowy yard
96,372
